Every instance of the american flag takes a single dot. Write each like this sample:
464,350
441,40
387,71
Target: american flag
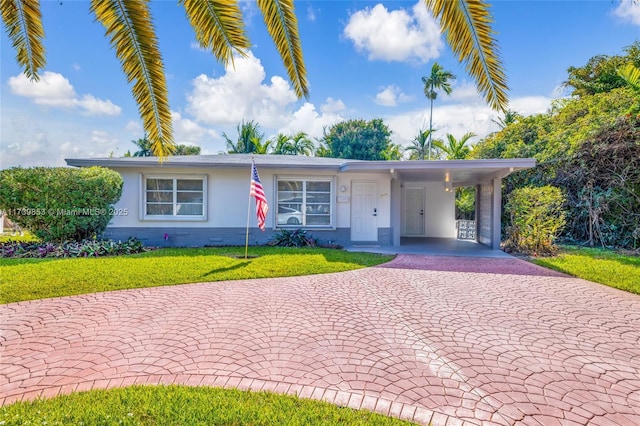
258,192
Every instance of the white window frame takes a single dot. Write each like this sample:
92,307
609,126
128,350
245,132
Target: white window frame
173,217
303,225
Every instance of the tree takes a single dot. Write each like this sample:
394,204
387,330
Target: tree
219,27
393,152
357,139
455,149
510,116
187,150
631,75
249,138
600,74
298,144
144,147
419,145
437,80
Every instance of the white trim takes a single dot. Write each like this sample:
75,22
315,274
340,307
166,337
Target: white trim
332,200
173,218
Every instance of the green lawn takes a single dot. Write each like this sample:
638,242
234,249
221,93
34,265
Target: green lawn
28,279
597,265
182,405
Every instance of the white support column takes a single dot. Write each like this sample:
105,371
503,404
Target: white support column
496,213
396,211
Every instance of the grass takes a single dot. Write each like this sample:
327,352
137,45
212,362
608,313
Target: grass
182,405
28,279
597,265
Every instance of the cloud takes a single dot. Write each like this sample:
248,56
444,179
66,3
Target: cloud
398,35
307,119
629,11
459,118
240,94
54,90
391,96
465,91
311,14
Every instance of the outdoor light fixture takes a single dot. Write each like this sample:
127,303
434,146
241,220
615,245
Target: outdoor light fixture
343,188
446,177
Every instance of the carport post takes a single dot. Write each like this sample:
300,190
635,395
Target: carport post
496,214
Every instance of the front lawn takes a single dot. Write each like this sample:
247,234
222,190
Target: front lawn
182,405
597,265
28,279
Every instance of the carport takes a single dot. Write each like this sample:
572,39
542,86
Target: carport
423,201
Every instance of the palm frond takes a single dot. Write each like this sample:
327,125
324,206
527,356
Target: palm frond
218,26
467,27
23,22
282,24
130,29
630,74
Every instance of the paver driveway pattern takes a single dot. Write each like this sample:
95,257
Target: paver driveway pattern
442,346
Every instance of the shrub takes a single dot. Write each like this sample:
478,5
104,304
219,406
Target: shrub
59,204
537,218
86,248
297,238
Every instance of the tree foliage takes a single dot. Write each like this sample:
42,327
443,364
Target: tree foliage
357,140
59,204
537,218
600,74
250,139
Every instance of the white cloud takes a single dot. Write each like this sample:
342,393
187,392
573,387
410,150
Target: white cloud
307,119
397,35
463,92
188,132
391,96
311,14
240,94
54,90
459,118
628,10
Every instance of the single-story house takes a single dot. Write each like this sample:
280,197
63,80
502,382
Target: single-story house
204,200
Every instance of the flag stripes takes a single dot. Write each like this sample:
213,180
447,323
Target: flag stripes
257,191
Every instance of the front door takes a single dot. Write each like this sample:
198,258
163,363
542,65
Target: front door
364,211
414,211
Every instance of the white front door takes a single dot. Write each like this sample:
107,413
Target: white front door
414,211
364,211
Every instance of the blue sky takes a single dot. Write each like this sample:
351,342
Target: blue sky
364,60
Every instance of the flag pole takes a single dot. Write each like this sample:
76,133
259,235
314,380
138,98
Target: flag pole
246,240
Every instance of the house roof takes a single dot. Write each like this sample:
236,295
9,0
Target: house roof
457,172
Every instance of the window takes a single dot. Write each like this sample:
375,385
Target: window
182,197
304,202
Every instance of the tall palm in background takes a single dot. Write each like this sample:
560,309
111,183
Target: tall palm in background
219,27
301,144
510,116
455,149
437,80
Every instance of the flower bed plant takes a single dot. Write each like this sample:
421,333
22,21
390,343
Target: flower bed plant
84,248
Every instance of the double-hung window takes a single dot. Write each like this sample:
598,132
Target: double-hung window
305,202
174,197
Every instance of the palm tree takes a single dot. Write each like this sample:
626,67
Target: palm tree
455,149
249,138
144,147
260,147
419,145
187,150
301,144
437,80
220,28
510,116
392,152
282,144
631,75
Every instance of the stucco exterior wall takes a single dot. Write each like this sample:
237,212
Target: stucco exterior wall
227,203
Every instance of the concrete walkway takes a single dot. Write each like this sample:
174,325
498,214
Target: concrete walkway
503,343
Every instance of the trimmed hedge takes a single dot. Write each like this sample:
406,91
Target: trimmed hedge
60,204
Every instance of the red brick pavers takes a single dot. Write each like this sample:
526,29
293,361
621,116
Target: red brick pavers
438,346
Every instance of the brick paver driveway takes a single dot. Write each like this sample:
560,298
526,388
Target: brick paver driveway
485,346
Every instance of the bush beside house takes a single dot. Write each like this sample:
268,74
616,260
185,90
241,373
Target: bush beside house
60,204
